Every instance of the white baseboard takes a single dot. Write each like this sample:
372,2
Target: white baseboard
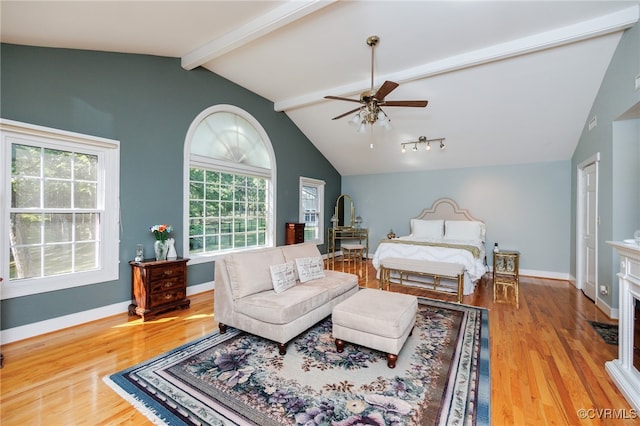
613,313
546,274
54,324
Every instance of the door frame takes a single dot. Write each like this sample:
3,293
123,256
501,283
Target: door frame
580,248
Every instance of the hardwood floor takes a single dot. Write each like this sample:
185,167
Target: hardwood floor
546,361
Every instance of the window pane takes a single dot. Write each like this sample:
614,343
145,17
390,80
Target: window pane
86,256
57,228
58,259
86,167
57,194
25,262
87,227
85,195
26,228
26,160
57,164
196,190
196,244
25,192
196,227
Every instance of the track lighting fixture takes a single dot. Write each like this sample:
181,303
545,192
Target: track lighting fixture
422,140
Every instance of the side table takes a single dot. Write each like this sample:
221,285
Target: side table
506,273
158,286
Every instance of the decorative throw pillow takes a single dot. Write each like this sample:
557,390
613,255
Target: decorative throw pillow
310,268
282,276
427,228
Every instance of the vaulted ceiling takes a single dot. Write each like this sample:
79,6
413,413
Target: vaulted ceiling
508,82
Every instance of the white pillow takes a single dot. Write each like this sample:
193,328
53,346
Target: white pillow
310,268
282,276
464,230
427,228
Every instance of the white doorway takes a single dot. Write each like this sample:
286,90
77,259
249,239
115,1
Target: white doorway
587,228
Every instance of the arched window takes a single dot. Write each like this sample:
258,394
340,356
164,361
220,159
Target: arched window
229,184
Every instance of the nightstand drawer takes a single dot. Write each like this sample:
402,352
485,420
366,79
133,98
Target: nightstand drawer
173,271
163,298
167,284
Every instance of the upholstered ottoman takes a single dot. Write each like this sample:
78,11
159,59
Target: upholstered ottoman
376,319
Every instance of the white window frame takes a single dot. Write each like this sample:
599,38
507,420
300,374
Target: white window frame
199,161
108,152
319,184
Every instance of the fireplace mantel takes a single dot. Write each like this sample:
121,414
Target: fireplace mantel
622,370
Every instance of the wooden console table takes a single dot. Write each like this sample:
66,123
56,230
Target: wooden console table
333,234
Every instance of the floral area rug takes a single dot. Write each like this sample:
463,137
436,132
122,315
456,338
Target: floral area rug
441,378
608,332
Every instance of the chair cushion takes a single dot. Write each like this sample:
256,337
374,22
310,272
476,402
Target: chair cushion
250,271
336,283
293,251
283,308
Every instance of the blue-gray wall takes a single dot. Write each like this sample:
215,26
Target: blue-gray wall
147,103
619,175
525,207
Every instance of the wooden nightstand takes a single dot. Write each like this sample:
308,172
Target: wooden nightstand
294,233
506,274
158,286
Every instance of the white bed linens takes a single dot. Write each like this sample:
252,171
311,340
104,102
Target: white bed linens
474,265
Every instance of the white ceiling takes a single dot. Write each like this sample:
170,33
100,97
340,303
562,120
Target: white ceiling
508,82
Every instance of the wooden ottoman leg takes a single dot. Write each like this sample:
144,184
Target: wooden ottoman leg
339,345
391,360
222,327
282,348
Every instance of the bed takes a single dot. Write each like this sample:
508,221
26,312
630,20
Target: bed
442,233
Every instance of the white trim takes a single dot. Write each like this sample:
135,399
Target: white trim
108,150
59,323
275,19
593,159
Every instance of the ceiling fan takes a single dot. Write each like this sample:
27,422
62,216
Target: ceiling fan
370,111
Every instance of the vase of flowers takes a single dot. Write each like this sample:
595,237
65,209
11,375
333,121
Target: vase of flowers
161,232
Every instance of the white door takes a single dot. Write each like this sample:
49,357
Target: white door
589,221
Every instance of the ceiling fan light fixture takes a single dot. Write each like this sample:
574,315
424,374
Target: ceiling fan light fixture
371,100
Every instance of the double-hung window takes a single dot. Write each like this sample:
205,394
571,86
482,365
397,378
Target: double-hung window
59,194
230,197
311,209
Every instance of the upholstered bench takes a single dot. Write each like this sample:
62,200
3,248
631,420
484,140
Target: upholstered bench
375,319
406,267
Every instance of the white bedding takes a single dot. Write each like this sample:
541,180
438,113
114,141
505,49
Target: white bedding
474,266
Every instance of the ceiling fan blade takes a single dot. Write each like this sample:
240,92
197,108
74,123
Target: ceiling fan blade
386,88
338,98
418,104
346,113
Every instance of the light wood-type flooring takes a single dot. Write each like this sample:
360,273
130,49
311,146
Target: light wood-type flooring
547,362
